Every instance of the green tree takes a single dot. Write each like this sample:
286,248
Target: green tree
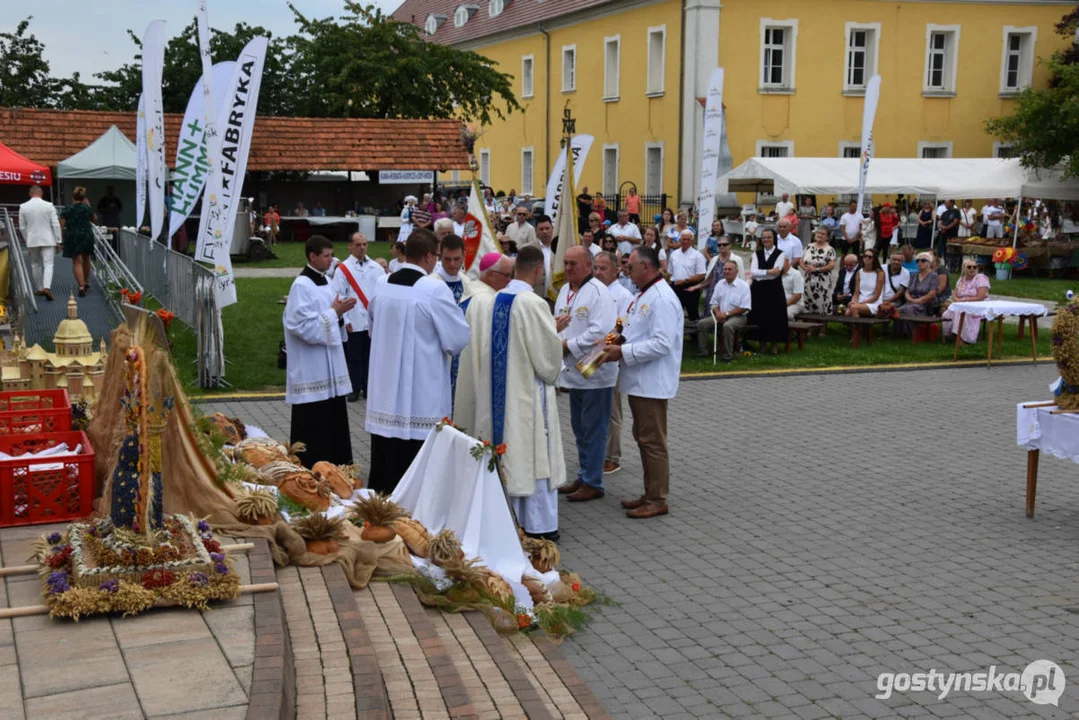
24,73
1044,129
366,64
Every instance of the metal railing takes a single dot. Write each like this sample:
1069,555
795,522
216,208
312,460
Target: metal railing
110,271
21,281
185,288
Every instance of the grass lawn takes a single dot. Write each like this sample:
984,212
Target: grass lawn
290,255
1035,288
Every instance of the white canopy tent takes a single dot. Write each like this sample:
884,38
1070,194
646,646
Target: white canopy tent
1048,185
110,157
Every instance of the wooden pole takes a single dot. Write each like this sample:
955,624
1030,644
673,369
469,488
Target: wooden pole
1032,479
44,609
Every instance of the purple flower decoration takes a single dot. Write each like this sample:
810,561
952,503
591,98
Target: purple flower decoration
57,582
54,538
110,586
1058,340
221,568
198,579
217,557
204,526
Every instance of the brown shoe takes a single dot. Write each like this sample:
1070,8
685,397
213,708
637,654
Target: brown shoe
633,504
610,467
570,487
47,293
585,493
647,510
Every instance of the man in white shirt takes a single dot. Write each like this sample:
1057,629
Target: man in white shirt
584,313
628,234
521,231
992,217
545,235
356,278
789,243
896,281
686,266
443,228
752,227
317,382
794,286
784,207
851,224
300,210
651,357
605,267
41,230
730,303
623,274
459,214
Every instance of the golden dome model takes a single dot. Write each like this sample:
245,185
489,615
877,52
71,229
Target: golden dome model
72,337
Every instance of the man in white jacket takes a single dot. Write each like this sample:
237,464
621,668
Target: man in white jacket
41,228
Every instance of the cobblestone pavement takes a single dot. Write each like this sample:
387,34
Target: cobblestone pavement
824,529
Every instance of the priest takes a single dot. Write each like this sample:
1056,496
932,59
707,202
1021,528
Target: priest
415,328
317,380
506,391
450,265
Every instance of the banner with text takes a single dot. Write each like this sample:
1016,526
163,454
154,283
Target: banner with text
192,151
869,112
581,144
220,201
153,61
406,177
141,171
710,148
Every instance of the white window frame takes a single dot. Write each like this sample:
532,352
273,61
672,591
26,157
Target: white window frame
650,90
495,7
610,83
1026,59
528,77
528,183
998,146
848,145
485,166
617,160
872,55
572,85
790,55
764,198
433,23
462,14
951,61
945,144
648,190
455,176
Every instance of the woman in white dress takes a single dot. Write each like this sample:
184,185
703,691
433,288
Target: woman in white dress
868,286
406,218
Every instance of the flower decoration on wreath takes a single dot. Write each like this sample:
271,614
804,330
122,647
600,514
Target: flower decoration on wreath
1065,346
131,297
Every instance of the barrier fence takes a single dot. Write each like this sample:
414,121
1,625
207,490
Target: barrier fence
186,289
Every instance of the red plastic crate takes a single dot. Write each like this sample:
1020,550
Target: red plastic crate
45,490
34,411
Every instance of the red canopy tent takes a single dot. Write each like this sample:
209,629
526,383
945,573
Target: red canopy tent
17,170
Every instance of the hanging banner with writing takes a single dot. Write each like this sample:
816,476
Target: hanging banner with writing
710,149
153,62
581,144
141,171
869,113
221,200
192,154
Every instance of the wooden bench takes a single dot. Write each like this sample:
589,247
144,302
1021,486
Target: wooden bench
799,329
858,325
925,321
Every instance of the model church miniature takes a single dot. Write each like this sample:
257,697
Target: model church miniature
74,366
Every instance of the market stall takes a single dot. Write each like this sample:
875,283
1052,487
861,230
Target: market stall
17,170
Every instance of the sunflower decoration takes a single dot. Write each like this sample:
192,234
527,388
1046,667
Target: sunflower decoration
376,514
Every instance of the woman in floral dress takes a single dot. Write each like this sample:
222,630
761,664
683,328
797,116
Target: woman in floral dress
77,220
818,263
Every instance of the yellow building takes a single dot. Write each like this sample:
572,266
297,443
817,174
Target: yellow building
632,72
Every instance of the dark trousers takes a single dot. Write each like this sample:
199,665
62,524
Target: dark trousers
390,459
691,301
323,427
358,355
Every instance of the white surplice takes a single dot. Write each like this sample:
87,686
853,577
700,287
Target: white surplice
414,332
314,342
533,462
366,274
452,280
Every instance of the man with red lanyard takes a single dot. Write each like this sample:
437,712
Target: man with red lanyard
357,277
651,359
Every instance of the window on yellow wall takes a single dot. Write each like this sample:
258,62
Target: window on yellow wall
526,170
1017,62
861,57
485,166
941,59
653,168
657,54
610,170
778,53
569,68
612,51
528,62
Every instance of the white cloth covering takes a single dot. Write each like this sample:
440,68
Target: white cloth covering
313,340
414,331
593,314
366,275
1038,429
992,309
652,353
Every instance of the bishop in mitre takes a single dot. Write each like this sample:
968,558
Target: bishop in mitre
416,327
506,391
317,380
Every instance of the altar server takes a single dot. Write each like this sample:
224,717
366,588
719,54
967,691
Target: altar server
415,328
506,391
450,265
357,278
317,378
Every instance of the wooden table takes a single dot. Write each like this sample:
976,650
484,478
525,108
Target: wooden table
1041,426
799,329
994,312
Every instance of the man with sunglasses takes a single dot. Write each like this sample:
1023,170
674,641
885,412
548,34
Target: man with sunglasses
520,230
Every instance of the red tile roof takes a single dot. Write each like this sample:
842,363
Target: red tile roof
516,13
278,143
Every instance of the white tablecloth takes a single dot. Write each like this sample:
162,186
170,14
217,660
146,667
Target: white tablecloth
992,309
1058,435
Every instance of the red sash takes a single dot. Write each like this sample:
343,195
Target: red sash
354,284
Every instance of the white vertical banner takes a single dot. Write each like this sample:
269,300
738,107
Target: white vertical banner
193,156
581,144
710,149
141,171
869,113
153,62
223,189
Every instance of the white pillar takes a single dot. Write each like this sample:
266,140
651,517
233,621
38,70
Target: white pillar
701,56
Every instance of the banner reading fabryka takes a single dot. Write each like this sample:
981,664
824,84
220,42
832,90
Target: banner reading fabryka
141,171
581,144
153,61
713,135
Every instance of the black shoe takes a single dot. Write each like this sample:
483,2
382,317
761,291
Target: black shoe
726,358
353,397
703,353
552,536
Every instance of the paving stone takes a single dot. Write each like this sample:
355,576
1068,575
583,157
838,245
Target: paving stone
117,702
183,677
44,653
234,630
158,626
236,712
